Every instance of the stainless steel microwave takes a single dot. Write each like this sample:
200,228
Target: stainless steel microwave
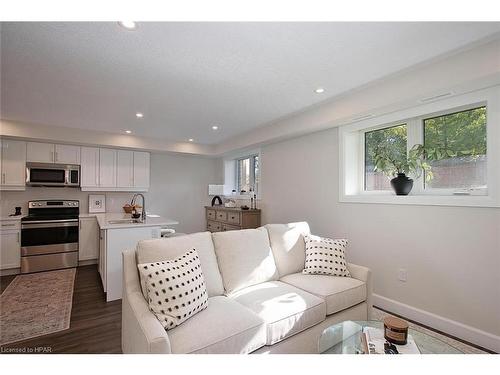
44,174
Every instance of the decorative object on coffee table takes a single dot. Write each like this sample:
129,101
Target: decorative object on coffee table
346,338
396,330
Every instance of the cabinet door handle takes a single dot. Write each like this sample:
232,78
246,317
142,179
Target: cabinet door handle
9,225
3,178
18,237
55,156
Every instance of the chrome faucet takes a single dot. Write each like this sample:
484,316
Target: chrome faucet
143,215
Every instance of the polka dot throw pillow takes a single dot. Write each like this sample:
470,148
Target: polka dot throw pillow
325,256
176,288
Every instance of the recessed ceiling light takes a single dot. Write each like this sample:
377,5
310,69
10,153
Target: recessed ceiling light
191,140
319,90
128,131
215,127
129,25
139,115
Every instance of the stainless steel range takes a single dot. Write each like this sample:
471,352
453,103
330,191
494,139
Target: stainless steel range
49,235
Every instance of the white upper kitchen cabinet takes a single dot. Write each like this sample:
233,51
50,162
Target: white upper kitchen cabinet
13,164
40,152
89,167
124,169
141,170
67,154
107,168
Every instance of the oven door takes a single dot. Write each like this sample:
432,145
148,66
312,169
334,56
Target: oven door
49,237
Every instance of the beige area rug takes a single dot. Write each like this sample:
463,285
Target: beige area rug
36,304
467,349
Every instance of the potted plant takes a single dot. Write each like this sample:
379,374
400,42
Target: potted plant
399,165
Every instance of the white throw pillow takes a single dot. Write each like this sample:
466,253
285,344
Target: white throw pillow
175,288
325,256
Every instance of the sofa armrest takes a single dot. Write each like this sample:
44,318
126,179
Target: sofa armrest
363,274
141,331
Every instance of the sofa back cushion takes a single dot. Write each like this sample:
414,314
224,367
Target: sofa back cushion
244,258
150,251
288,246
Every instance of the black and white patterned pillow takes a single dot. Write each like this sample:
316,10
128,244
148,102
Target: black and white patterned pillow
175,288
325,256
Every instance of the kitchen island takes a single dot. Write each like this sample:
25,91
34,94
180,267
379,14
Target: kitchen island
119,232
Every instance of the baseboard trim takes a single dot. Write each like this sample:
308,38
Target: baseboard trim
87,262
10,271
474,335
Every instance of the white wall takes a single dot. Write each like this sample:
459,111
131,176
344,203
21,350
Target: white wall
179,190
452,254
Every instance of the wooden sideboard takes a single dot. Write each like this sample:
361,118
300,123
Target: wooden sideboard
221,219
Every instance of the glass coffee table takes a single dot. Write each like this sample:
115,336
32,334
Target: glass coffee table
345,338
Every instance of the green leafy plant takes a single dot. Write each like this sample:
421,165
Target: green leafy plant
391,161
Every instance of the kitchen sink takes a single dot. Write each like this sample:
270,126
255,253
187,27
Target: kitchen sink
125,221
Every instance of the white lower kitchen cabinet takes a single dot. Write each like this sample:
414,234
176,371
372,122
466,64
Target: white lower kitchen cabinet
10,244
88,239
112,243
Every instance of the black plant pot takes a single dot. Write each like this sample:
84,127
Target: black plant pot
401,184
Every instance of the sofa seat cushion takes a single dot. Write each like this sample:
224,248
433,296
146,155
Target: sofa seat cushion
225,327
285,309
339,292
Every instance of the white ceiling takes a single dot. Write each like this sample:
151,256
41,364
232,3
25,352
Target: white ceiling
186,77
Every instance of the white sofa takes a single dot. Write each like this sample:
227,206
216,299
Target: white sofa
259,301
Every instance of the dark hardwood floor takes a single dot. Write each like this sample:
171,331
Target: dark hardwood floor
95,324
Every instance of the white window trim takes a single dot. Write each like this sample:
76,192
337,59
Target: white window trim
230,174
351,154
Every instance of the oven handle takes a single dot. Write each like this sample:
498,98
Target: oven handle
49,224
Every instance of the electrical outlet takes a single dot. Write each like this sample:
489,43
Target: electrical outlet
402,276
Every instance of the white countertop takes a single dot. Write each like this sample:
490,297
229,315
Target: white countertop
151,220
5,218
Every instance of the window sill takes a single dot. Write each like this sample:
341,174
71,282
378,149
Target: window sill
422,200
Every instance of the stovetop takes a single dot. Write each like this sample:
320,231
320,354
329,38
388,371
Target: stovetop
45,210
